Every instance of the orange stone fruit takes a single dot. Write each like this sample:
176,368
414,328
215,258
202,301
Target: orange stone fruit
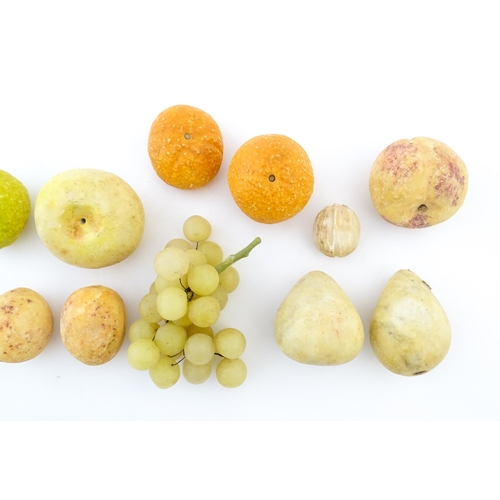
185,147
271,178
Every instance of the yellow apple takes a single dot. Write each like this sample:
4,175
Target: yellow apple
89,218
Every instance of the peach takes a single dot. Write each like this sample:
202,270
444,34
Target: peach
418,182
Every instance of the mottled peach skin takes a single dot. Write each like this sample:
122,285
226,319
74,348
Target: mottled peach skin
26,325
93,323
418,182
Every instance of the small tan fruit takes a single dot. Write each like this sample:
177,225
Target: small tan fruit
93,324
418,182
26,325
409,330
336,231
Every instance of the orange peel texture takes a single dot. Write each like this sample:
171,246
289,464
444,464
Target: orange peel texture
271,178
185,147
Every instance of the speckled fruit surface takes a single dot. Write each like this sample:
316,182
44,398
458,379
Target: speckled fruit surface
93,323
271,178
185,147
26,325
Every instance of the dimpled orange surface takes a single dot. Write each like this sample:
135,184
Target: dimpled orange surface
271,178
185,147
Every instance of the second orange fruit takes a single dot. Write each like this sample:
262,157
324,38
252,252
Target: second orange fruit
271,178
185,147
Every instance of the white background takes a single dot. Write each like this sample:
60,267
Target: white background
81,83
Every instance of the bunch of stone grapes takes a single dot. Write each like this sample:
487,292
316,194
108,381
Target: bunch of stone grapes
183,303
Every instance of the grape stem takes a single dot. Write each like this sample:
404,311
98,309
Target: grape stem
237,256
179,360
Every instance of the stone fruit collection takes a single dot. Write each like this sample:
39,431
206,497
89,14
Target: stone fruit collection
413,183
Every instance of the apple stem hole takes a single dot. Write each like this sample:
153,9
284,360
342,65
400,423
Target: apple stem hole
187,136
420,373
422,208
272,178
83,220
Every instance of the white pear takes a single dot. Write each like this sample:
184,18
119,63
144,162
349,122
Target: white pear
409,330
317,324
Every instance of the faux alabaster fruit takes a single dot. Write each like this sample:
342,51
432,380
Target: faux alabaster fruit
89,218
178,313
93,324
336,231
185,147
26,325
409,330
317,324
270,178
15,207
418,182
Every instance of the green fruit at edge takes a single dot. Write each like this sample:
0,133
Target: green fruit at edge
15,207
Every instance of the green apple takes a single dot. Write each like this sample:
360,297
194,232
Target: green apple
89,218
15,207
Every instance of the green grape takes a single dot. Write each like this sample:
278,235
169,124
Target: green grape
172,263
204,311
172,303
199,349
221,296
143,354
213,252
184,321
160,283
196,228
195,257
229,279
141,329
165,373
231,373
196,374
170,339
230,343
179,243
192,329
147,308
203,279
